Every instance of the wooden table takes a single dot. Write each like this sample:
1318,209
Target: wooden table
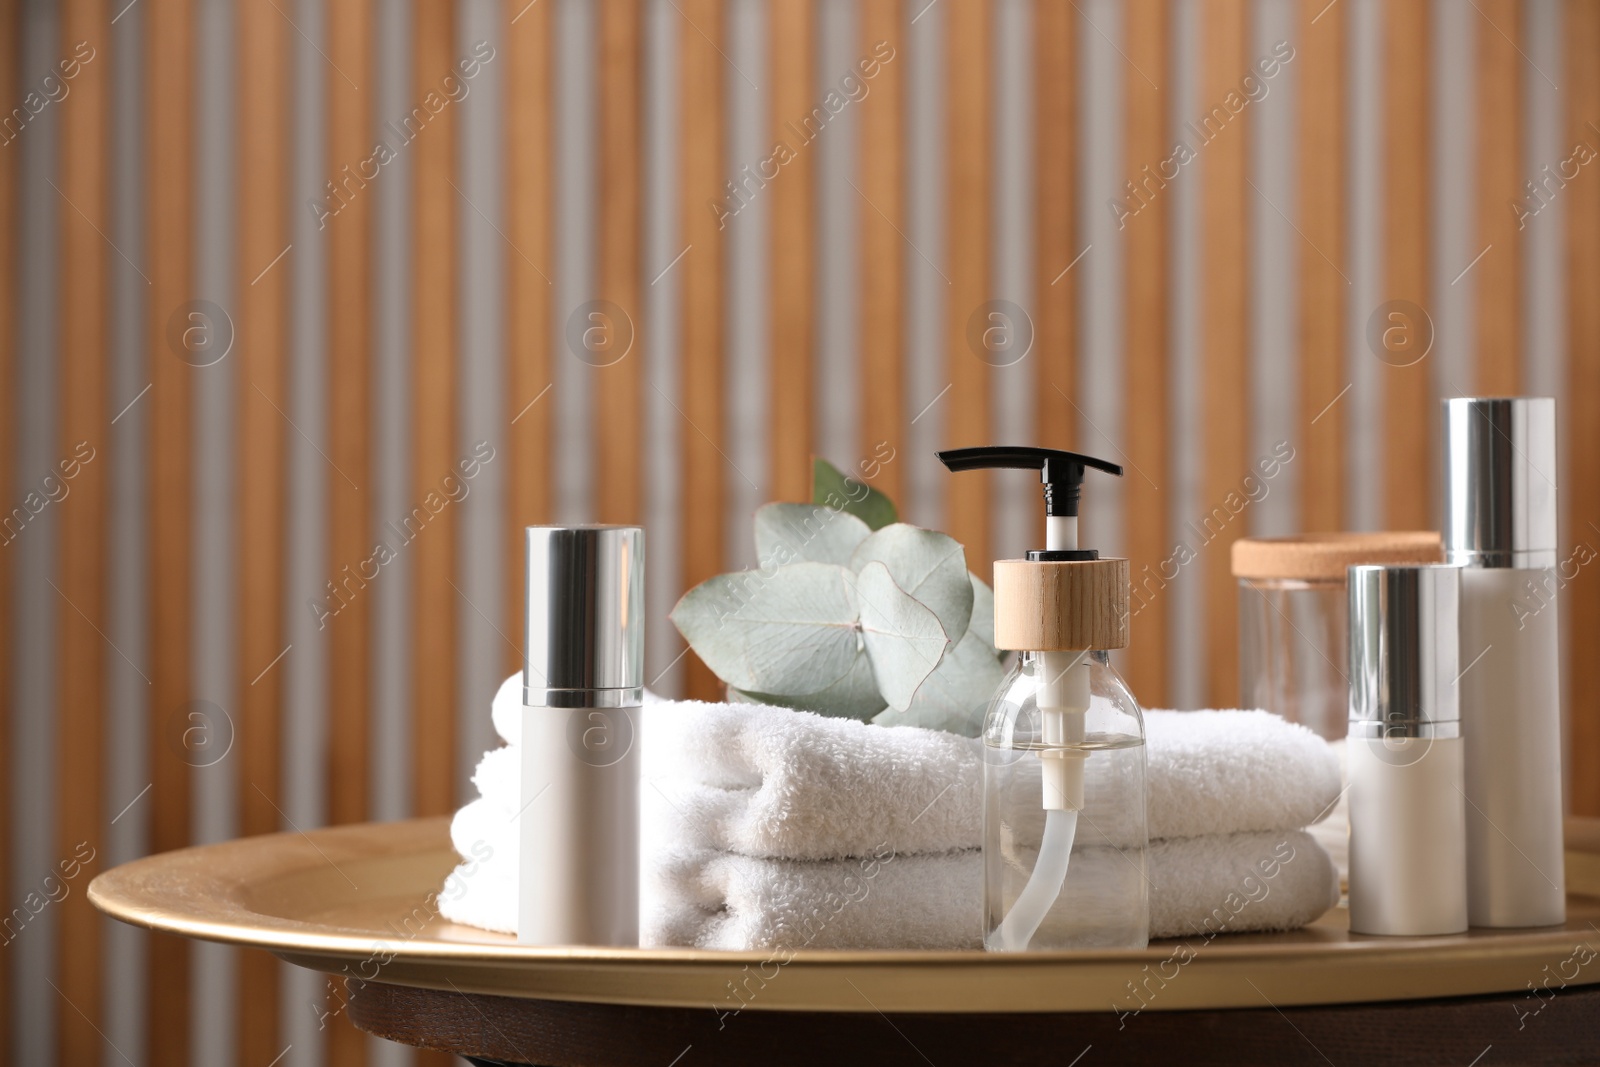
1488,1031
1310,996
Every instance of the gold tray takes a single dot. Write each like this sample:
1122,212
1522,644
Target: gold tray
337,900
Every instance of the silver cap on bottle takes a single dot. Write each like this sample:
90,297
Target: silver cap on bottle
1500,481
585,617
1403,650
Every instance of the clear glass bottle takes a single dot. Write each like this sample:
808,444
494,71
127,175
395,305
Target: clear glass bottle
1103,898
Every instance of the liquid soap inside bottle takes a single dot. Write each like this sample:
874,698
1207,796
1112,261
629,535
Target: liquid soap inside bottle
1064,846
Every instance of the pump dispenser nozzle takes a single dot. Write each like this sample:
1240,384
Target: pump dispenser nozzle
1060,472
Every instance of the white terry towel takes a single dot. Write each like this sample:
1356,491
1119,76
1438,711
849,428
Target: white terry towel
1333,832
721,900
776,783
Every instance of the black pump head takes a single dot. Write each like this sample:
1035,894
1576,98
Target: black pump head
1060,472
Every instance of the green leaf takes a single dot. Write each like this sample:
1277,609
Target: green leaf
789,630
855,696
982,622
832,489
902,636
956,696
930,566
790,533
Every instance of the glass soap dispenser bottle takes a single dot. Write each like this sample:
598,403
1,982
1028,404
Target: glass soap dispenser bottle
1064,835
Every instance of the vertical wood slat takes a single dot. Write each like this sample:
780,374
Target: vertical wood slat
619,414
527,207
1224,274
169,112
1409,414
701,95
1582,401
967,103
882,181
1145,374
348,236
433,366
260,491
82,561
792,37
1323,292
1498,274
10,46
1055,221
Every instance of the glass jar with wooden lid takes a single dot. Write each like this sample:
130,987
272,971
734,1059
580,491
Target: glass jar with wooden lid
1293,615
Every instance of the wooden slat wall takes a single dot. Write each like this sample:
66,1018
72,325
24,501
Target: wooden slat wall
702,72
1223,300
1409,418
1581,80
261,320
881,179
1500,173
169,63
433,343
1056,242
1324,291
619,412
1144,391
265,264
349,240
83,420
530,412
966,262
10,47
791,33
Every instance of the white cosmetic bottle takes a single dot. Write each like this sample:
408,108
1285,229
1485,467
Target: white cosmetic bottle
1408,832
583,685
1500,527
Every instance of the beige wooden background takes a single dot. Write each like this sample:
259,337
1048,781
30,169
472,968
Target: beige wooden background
195,641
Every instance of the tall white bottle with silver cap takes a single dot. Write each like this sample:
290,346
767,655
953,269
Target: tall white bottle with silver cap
583,685
1500,525
1408,832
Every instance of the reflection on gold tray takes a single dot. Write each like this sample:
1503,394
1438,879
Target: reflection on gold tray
338,900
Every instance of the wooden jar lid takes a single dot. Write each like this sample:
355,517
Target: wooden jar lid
1323,557
1053,607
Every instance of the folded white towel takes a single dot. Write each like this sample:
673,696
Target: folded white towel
1333,832
776,783
765,827
721,900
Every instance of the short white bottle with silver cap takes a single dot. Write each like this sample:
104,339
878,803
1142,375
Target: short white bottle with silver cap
1500,526
583,685
1408,833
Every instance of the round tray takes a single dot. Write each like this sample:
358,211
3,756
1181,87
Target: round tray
356,900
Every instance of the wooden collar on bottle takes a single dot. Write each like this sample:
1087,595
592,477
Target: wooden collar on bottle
1067,606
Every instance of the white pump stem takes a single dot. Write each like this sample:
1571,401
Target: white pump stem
1060,533
1063,700
1063,697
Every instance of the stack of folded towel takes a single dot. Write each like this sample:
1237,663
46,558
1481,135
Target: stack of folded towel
766,828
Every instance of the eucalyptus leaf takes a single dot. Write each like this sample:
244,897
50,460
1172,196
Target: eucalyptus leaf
790,630
855,696
902,635
982,622
956,696
790,533
930,566
831,488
